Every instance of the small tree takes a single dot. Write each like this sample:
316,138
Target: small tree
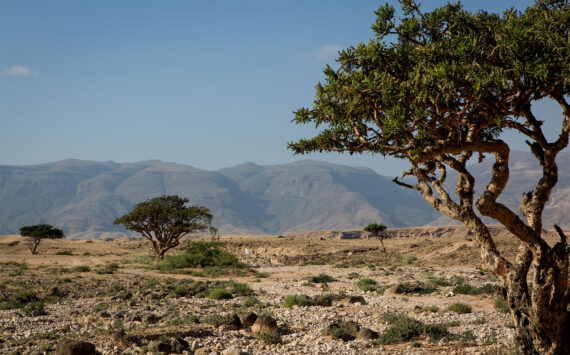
165,220
376,230
34,235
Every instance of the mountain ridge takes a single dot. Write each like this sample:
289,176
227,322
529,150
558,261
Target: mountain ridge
84,197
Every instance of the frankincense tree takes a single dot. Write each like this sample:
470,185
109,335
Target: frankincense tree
439,89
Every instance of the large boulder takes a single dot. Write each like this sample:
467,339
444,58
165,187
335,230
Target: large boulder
67,346
264,324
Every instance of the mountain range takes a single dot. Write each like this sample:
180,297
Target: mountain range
84,197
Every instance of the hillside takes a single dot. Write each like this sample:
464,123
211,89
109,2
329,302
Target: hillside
85,197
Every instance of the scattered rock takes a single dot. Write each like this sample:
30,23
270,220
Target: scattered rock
232,350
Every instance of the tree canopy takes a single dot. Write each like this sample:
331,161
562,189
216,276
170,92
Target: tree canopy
439,89
165,220
36,233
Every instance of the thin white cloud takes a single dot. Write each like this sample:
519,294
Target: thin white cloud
328,51
20,70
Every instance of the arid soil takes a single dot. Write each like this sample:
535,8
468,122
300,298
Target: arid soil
110,294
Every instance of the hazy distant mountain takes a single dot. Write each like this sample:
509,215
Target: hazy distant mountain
311,195
84,197
524,174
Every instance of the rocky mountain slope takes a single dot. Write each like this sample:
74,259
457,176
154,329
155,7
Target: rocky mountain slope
85,197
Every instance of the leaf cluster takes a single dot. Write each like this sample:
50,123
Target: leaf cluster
437,79
41,231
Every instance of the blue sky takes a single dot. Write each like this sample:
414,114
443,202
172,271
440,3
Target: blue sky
206,83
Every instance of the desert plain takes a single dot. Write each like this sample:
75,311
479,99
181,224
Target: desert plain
318,293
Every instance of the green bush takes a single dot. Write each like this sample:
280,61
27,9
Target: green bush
81,268
409,259
34,309
466,289
366,285
501,305
270,338
107,268
323,278
200,255
297,300
219,294
459,308
240,289
249,301
403,328
64,252
225,319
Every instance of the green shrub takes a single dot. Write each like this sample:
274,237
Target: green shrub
366,285
501,305
240,289
34,309
459,308
403,328
64,252
103,306
249,301
409,259
219,294
200,255
323,278
297,300
107,268
225,319
270,338
81,268
466,289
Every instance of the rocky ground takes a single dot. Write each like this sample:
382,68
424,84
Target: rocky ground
310,296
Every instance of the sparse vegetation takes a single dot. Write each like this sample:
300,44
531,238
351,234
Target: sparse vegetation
403,328
322,278
297,300
459,308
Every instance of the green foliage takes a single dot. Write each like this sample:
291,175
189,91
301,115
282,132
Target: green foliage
220,294
249,301
108,268
99,307
164,220
297,300
80,268
375,228
34,309
367,285
501,305
466,289
459,308
403,328
409,259
64,252
322,278
223,319
36,233
240,289
270,338
200,255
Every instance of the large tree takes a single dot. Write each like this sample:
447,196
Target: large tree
165,220
36,233
439,89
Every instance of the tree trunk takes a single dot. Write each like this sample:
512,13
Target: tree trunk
541,317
